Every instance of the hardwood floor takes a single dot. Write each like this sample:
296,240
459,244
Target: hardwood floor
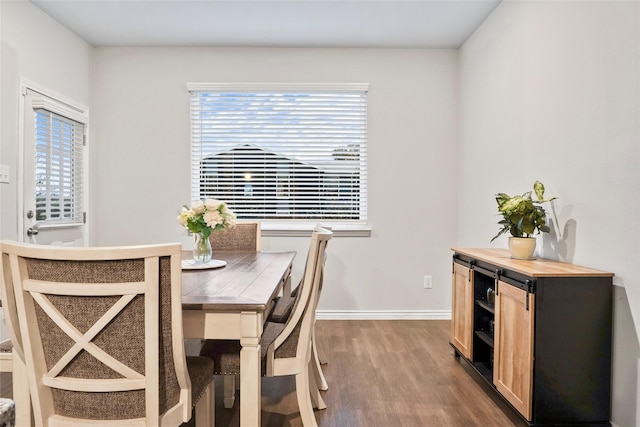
385,373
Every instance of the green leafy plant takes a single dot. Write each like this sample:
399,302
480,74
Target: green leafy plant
521,215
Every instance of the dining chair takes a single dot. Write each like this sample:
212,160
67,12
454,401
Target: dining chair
280,314
9,315
286,347
11,362
245,236
11,354
102,338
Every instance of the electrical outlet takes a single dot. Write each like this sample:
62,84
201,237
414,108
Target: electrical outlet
4,174
428,282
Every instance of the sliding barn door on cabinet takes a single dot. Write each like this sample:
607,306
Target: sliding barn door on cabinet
513,351
462,310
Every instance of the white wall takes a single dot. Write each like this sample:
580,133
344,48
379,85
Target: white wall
141,159
34,47
551,91
551,85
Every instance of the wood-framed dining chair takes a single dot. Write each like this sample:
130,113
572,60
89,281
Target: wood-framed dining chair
11,354
245,236
101,332
286,347
280,314
9,315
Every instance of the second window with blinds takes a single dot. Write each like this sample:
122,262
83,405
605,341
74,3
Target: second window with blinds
281,153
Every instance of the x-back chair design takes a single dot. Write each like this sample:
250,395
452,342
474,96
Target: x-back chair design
102,336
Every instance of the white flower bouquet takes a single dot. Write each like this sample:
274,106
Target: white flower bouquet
205,216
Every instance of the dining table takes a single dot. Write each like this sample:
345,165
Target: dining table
231,299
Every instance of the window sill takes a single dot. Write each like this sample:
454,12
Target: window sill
304,229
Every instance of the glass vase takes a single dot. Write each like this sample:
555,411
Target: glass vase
202,249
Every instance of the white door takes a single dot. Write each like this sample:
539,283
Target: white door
53,171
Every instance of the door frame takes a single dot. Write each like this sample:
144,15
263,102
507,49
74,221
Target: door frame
78,108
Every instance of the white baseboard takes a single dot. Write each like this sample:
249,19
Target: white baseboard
383,314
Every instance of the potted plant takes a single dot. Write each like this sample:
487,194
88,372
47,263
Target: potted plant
522,216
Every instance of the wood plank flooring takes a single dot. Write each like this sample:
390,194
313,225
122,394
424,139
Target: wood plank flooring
385,373
381,373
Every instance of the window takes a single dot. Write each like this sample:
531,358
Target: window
281,153
59,154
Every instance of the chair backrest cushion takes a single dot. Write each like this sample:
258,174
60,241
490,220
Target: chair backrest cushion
245,236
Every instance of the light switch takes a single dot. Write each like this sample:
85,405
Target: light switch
4,174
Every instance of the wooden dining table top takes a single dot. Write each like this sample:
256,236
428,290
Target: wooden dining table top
249,281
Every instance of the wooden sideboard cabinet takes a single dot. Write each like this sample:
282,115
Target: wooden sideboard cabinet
538,331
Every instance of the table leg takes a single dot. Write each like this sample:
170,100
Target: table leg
286,288
250,375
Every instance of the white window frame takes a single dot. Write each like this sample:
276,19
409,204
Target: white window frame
355,228
62,167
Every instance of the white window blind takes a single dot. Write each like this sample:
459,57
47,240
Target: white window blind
278,153
58,169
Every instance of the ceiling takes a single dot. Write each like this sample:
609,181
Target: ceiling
272,23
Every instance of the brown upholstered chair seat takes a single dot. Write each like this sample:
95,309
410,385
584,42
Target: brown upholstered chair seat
226,353
282,309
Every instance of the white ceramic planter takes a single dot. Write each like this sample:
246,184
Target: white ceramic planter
522,247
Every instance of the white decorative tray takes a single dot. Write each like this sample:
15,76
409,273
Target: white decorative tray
189,264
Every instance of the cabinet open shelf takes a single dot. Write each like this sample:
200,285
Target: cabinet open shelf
491,308
485,337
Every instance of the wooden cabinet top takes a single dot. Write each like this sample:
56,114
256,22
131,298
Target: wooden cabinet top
538,267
